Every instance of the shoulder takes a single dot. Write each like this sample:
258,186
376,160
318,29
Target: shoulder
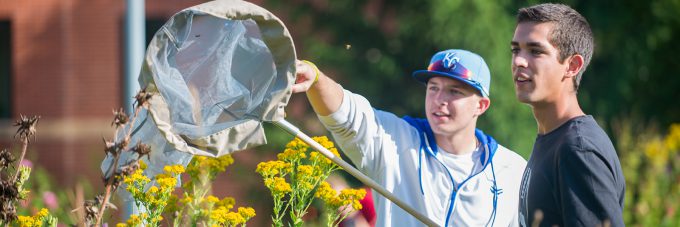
506,157
583,136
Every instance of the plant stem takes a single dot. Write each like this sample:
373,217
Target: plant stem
24,146
107,194
112,169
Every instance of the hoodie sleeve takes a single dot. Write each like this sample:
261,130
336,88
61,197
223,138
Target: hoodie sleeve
358,130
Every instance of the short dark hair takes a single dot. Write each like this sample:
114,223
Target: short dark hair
571,33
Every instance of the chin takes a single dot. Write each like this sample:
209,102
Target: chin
524,98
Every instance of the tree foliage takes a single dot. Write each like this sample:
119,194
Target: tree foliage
371,47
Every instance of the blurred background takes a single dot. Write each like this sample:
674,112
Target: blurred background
65,61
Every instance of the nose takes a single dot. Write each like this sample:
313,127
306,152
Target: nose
440,99
518,60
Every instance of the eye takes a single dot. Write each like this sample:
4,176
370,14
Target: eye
514,50
537,52
432,88
455,92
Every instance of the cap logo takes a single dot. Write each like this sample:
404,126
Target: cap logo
450,60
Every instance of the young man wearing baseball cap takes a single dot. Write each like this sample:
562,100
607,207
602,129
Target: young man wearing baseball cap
442,166
573,177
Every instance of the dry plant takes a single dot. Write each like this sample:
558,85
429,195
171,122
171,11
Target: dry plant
12,189
113,177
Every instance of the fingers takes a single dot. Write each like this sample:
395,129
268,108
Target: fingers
304,77
297,88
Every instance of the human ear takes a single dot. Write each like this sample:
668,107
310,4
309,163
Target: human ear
574,65
482,105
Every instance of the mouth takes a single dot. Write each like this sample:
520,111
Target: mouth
440,115
522,78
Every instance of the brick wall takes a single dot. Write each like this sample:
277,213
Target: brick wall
67,67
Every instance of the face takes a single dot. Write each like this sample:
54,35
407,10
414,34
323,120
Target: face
538,75
452,106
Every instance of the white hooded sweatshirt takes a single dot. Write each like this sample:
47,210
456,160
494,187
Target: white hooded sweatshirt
401,155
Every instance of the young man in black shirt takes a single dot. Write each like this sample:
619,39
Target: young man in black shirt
573,177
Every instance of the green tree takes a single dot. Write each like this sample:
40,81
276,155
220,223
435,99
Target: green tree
372,47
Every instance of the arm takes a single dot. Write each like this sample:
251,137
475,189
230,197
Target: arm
325,95
356,126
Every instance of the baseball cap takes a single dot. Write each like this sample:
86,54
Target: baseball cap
461,65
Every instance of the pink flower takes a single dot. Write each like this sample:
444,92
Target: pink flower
50,200
26,163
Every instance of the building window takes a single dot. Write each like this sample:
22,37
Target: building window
152,24
5,69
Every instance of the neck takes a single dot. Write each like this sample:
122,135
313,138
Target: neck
551,115
460,143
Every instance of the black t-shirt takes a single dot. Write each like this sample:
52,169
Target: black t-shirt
573,177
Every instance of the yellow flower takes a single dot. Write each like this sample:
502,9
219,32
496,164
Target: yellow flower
278,186
194,167
292,155
352,196
305,170
672,140
43,213
136,178
219,164
211,199
121,225
174,169
218,215
153,190
297,144
325,192
134,220
201,165
167,183
227,202
157,219
272,168
324,163
186,200
246,212
324,141
656,152
233,219
142,164
26,221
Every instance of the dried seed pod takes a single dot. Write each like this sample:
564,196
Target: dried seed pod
6,159
26,127
142,150
119,118
142,98
110,147
8,212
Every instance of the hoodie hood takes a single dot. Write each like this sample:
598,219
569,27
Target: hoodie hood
423,126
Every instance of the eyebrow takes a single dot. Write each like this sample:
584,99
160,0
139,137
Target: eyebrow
529,44
455,85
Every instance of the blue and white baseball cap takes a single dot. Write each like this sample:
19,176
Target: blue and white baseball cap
461,65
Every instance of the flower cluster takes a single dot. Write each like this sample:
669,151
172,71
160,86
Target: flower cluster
651,167
201,165
293,178
221,216
153,197
195,207
339,205
42,218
